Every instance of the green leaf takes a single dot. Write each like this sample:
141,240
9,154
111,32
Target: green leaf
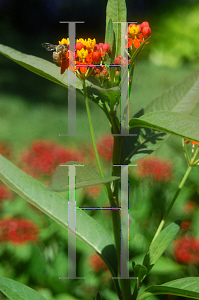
42,67
181,98
184,287
140,271
112,95
85,176
110,38
17,291
170,122
116,10
160,244
56,207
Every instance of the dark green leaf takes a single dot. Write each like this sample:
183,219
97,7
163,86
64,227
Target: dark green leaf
182,98
98,297
160,244
85,176
169,122
184,287
17,291
56,206
140,271
116,10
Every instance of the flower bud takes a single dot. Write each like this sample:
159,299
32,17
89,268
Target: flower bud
106,47
146,31
104,72
124,62
96,55
100,45
79,46
117,60
144,24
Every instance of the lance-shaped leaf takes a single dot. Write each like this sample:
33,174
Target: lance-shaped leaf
181,98
160,244
184,287
169,122
17,291
42,67
56,206
85,176
116,10
110,38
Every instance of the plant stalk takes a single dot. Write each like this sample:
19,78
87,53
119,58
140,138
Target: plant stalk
114,202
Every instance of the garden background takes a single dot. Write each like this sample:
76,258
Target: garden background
33,112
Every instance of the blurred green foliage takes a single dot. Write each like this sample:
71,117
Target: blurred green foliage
175,36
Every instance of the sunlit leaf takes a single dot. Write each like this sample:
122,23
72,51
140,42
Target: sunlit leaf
56,206
17,291
184,287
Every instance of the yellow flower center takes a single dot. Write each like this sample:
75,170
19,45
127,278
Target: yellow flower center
64,42
134,30
82,54
91,43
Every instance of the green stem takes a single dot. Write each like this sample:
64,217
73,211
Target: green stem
114,202
172,202
91,130
107,186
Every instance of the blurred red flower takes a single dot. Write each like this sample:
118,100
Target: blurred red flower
186,250
104,147
5,150
189,207
43,157
97,264
155,168
185,225
5,193
18,231
93,191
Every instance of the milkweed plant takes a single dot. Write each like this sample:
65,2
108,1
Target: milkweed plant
103,74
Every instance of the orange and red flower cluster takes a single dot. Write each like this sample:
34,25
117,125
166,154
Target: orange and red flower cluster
18,231
88,54
186,250
137,33
155,168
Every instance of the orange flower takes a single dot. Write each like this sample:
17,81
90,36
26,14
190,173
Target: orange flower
193,143
135,37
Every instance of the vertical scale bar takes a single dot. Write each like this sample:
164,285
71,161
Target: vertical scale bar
71,93
124,258
124,105
71,224
124,102
124,253
72,89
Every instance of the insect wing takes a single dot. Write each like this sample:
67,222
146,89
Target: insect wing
49,47
63,66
